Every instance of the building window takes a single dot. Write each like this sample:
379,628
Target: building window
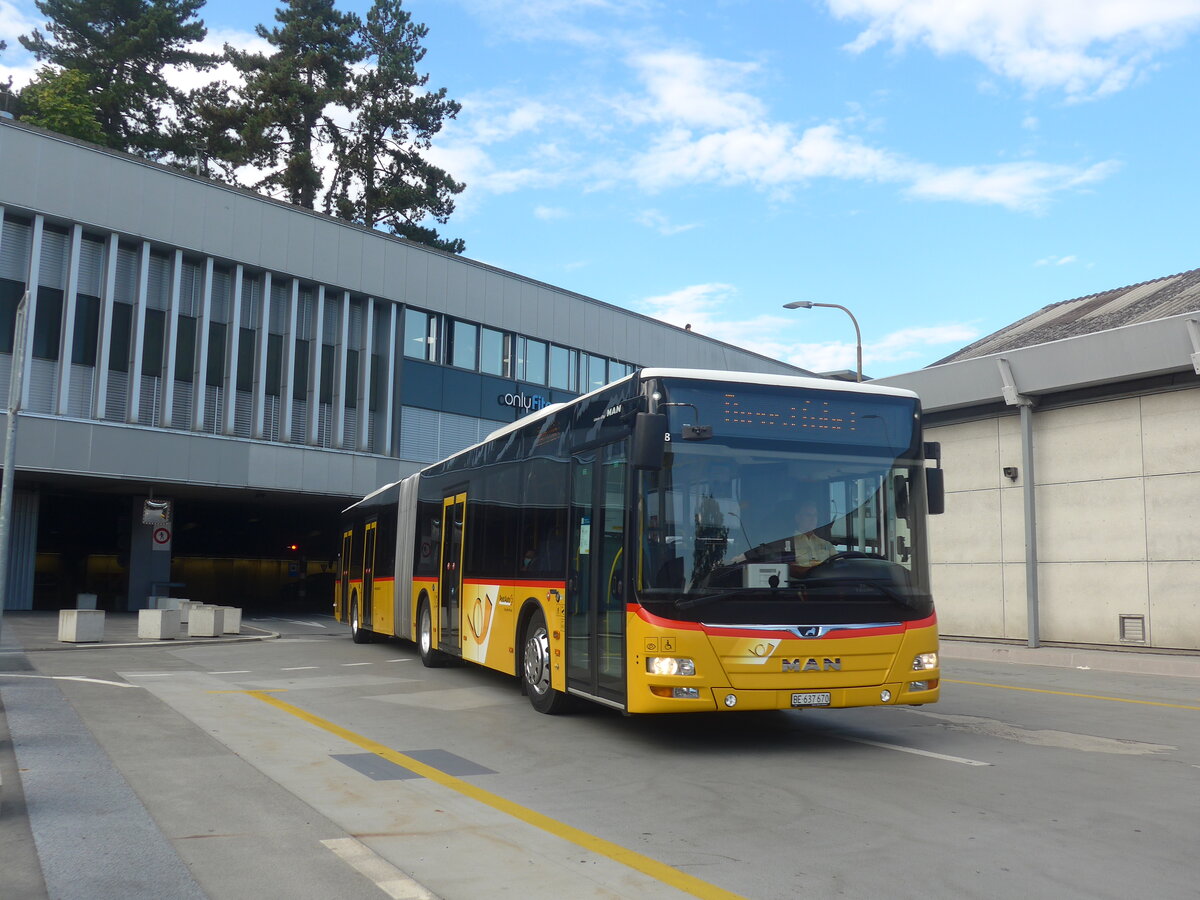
215,376
185,349
617,370
464,338
593,372
87,330
152,343
495,353
420,335
47,323
122,325
531,360
11,293
561,370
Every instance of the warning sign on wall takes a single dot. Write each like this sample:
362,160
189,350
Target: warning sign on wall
161,538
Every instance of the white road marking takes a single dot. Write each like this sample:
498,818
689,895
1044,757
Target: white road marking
297,668
232,672
357,664
403,659
955,759
387,877
70,678
148,674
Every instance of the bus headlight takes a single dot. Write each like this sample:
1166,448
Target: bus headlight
670,665
925,661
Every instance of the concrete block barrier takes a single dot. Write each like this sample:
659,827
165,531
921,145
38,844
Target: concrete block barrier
233,619
80,626
185,608
206,621
158,624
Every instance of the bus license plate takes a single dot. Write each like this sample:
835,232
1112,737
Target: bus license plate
811,699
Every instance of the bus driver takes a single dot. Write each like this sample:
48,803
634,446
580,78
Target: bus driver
808,548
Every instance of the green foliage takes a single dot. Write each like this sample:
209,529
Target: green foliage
120,47
381,177
59,101
286,94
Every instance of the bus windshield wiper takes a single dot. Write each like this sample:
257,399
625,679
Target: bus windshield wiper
885,589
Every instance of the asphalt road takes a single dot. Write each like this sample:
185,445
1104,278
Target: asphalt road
312,767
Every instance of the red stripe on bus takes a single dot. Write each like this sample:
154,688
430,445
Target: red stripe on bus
503,582
782,633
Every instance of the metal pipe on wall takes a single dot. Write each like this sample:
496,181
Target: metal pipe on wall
1031,549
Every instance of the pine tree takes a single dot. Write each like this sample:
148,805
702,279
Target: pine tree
287,94
381,178
205,139
121,48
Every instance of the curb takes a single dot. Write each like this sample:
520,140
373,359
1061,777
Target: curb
1133,662
172,642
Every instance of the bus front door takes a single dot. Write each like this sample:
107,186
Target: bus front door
595,591
454,512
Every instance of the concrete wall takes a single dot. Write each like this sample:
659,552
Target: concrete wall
1118,514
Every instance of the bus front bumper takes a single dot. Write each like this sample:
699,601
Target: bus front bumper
723,699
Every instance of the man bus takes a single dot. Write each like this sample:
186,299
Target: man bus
639,547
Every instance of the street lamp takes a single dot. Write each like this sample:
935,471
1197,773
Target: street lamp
808,304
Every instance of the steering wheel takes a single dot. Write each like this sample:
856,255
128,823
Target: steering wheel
849,554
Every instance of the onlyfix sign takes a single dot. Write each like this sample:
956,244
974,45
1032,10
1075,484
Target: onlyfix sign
524,402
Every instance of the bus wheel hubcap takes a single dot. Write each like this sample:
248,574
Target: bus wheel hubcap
537,661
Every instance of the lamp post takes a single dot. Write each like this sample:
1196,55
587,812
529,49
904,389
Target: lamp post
808,304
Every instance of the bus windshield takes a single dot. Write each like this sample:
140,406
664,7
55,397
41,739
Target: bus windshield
743,526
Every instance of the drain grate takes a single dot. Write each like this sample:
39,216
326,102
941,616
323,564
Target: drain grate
1132,629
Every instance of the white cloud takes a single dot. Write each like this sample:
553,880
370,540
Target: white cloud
550,213
770,155
1082,47
1056,261
1020,185
692,305
14,23
687,89
712,309
657,220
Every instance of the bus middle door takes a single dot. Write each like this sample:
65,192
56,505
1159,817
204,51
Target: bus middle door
342,613
367,608
454,513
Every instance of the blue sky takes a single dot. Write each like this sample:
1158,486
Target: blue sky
940,167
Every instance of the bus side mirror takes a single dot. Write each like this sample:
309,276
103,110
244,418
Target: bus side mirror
935,486
649,440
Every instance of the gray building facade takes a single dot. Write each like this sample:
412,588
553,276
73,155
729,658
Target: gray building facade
1071,445
259,365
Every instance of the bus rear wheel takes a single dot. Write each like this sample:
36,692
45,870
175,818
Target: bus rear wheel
535,668
431,657
358,634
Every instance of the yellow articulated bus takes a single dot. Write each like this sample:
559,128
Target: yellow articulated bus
677,541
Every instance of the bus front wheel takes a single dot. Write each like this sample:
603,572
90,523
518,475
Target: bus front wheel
431,658
535,668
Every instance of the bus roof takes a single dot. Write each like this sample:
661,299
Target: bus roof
800,381
815,384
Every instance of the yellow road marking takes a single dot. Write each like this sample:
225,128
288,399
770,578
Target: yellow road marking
644,864
1009,687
